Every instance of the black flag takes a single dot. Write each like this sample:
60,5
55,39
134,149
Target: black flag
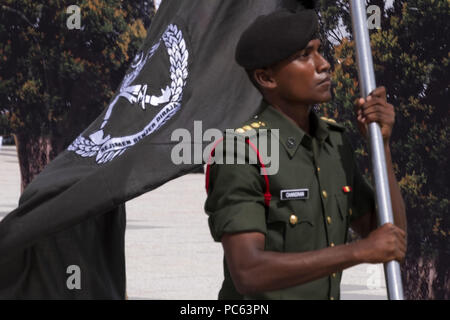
66,238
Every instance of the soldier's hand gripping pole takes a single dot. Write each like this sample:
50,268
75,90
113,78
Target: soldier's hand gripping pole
367,85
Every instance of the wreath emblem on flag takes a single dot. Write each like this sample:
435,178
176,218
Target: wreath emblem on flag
107,148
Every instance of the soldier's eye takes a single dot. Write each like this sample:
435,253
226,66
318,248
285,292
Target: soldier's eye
304,54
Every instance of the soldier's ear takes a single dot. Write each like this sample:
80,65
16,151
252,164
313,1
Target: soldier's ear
264,78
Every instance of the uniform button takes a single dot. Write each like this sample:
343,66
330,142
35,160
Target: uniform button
293,219
333,275
324,193
318,169
350,211
290,142
329,220
332,244
331,298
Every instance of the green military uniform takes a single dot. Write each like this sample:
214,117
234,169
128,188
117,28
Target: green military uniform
332,194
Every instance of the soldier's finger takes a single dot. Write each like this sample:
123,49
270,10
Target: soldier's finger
359,103
379,92
372,109
389,107
379,108
359,117
402,249
402,241
401,233
379,117
373,115
400,257
374,101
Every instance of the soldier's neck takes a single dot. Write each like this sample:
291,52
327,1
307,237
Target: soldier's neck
299,113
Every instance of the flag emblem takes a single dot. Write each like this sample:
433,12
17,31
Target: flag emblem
104,147
346,189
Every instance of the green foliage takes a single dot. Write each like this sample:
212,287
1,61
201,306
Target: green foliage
55,81
411,55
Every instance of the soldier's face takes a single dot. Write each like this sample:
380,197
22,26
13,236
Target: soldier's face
304,77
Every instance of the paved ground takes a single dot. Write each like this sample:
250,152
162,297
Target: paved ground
170,253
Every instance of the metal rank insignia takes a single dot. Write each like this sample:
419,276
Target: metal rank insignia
347,189
253,125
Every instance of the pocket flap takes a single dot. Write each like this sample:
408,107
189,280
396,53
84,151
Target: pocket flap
283,212
342,202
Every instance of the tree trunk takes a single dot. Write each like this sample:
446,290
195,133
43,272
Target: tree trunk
34,153
427,277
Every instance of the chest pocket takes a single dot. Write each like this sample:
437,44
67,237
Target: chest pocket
343,224
290,226
343,205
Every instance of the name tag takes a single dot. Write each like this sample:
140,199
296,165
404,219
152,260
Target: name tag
294,194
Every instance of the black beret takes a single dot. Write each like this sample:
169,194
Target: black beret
274,37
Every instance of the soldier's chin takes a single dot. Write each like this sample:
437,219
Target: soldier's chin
324,97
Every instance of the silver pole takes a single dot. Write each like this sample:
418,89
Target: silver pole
367,85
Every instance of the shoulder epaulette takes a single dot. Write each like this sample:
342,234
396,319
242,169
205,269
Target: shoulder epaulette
333,124
250,126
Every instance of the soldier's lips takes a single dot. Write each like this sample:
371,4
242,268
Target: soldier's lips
326,82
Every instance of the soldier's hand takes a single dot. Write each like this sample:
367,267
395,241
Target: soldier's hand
375,109
384,244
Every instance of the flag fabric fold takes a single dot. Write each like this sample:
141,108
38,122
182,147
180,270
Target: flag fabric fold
73,213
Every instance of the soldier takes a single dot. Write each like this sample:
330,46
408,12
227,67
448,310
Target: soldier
294,246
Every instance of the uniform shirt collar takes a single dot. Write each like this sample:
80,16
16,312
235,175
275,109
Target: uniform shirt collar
290,134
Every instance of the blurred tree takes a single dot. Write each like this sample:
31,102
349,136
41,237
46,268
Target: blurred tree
411,60
54,81
4,126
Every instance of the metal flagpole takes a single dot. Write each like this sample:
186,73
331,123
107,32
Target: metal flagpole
367,85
